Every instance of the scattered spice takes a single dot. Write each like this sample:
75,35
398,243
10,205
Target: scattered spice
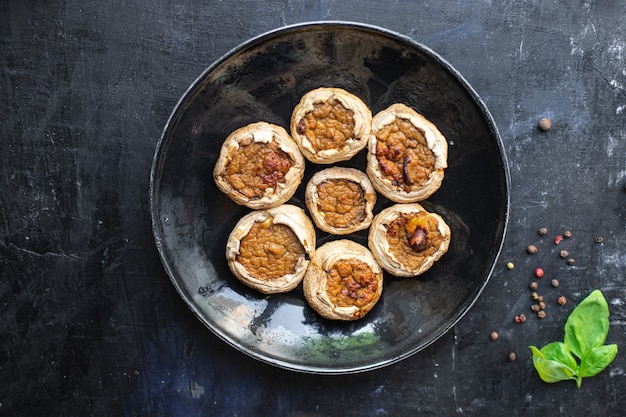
567,234
534,296
561,300
533,286
539,272
554,282
542,231
564,254
512,356
532,249
542,305
599,239
493,336
541,314
571,261
510,265
535,308
558,239
540,298
520,319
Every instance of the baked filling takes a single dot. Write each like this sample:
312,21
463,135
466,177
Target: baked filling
255,167
342,202
270,250
403,154
328,126
351,283
413,238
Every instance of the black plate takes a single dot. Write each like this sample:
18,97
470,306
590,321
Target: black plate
263,79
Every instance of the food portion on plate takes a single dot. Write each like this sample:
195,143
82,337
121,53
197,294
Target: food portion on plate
340,200
270,250
343,281
330,125
407,240
407,155
273,248
259,166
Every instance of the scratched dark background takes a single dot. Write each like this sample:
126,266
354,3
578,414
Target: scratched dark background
89,321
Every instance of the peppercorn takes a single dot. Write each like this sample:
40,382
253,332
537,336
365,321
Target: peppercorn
561,300
542,231
532,249
554,283
540,298
599,239
541,314
512,356
535,308
571,261
567,234
533,285
493,336
539,272
534,296
564,254
520,319
544,124
558,239
542,305
510,265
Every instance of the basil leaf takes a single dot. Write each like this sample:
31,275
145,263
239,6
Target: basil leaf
558,351
588,325
550,370
596,359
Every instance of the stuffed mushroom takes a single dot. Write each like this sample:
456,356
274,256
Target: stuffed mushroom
259,166
270,250
340,200
330,125
343,281
407,240
406,156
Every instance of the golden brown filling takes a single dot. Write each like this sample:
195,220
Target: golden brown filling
403,155
351,283
341,201
413,238
255,167
328,126
270,250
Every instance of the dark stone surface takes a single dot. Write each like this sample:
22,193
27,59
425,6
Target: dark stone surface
89,321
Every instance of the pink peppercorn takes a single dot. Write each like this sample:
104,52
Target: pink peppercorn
558,239
539,272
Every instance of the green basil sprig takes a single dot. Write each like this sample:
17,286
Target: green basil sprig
583,352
